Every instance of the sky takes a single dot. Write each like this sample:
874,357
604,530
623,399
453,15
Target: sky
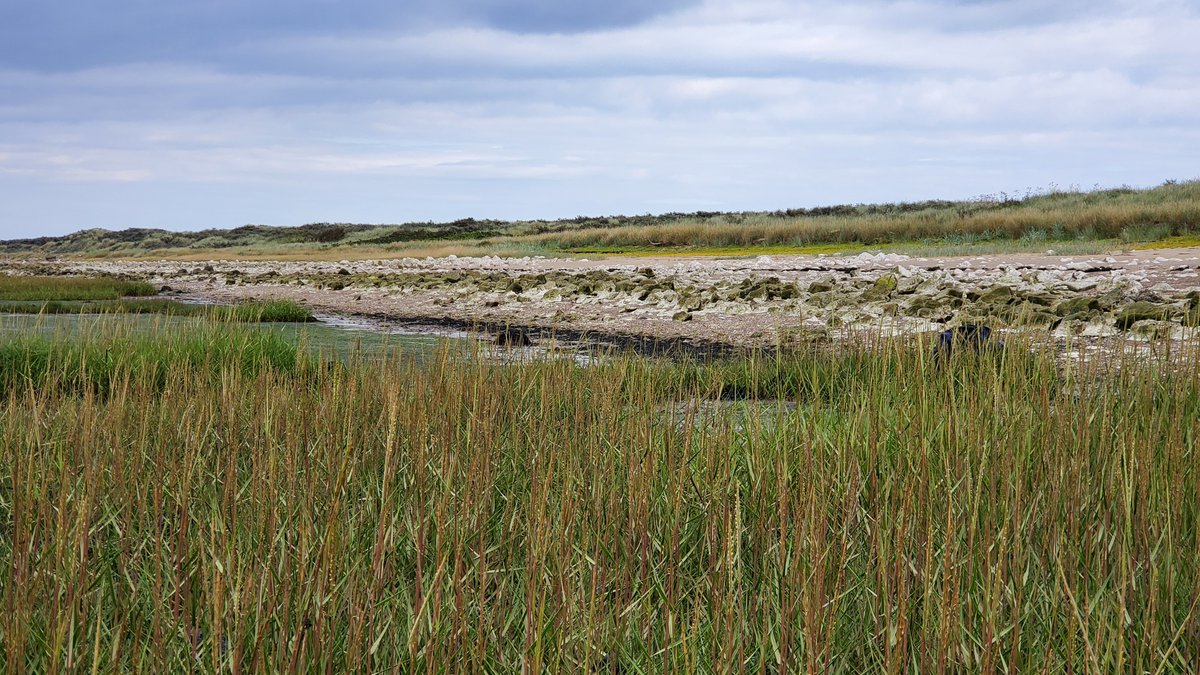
192,114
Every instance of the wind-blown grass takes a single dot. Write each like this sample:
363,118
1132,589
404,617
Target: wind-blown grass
893,515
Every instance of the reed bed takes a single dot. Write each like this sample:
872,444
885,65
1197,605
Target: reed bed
868,510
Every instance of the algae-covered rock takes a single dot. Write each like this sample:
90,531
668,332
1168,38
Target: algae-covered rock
883,288
1154,330
1032,315
682,316
1040,298
691,302
1075,306
996,294
766,289
820,287
1140,311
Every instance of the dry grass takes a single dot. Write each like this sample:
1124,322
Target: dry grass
1168,210
978,516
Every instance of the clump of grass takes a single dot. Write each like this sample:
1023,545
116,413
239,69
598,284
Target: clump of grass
268,311
70,288
882,513
1145,232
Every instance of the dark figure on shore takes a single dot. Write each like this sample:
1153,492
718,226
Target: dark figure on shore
513,337
977,339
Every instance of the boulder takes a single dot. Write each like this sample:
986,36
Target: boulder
882,289
1154,330
1139,311
1077,306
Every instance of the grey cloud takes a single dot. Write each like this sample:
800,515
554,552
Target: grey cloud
47,35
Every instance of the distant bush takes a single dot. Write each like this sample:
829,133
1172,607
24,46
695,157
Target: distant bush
331,234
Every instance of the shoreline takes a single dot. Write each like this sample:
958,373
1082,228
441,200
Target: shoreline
713,305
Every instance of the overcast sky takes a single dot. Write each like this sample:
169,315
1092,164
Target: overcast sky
186,114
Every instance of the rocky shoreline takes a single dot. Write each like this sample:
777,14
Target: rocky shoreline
710,304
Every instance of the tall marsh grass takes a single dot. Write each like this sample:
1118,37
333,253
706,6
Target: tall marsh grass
891,515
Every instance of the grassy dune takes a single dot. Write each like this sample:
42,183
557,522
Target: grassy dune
1123,216
211,501
1075,219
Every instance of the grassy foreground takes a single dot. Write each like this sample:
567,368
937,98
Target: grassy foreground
213,501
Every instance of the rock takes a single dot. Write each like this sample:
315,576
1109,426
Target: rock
820,287
1154,330
1139,311
1040,298
997,294
1097,329
682,316
883,288
909,285
1075,306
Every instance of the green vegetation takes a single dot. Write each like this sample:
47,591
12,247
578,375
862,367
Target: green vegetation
104,366
1053,218
70,288
211,501
253,311
103,295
